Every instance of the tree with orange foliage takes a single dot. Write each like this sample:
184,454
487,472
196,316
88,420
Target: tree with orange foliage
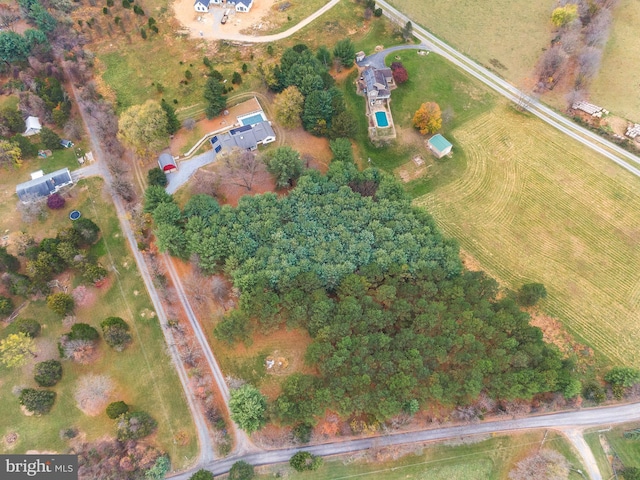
428,118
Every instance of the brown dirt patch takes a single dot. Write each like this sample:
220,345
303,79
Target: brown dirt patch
315,149
469,262
238,22
10,440
554,332
412,171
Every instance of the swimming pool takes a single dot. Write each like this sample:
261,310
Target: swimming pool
252,119
381,119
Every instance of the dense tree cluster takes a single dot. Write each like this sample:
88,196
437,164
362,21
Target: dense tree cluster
113,459
323,111
394,317
52,256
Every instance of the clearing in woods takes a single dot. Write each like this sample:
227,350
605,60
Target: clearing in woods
531,205
617,86
505,35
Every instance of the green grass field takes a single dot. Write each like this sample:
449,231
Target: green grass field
617,86
143,373
628,450
489,459
511,32
532,205
294,14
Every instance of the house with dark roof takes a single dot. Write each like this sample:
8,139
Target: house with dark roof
247,137
376,83
202,6
243,5
41,186
167,163
439,145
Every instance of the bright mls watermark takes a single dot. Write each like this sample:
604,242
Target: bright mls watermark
45,467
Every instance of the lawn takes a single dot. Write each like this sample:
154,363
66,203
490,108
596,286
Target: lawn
593,440
628,450
486,459
292,15
533,206
505,35
143,373
431,78
616,87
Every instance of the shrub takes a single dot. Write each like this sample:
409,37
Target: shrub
55,201
303,461
29,327
50,139
6,305
530,293
623,376
88,230
188,75
116,333
236,78
202,475
241,470
37,401
83,331
115,409
131,426
156,176
48,373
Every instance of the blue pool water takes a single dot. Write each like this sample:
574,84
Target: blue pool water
252,120
381,119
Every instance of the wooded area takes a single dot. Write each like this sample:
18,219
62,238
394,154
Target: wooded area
395,318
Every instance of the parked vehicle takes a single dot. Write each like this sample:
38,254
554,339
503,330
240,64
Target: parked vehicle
66,143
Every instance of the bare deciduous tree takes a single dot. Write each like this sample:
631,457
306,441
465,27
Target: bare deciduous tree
551,68
239,167
93,393
33,208
207,183
597,32
219,289
545,465
189,124
81,351
589,62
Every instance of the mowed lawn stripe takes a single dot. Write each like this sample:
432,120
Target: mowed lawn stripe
533,205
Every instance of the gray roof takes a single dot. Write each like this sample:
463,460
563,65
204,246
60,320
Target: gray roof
246,3
166,159
376,81
247,136
203,2
45,185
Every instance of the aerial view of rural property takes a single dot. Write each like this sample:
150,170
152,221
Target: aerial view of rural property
320,239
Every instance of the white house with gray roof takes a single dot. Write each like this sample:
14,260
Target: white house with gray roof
41,186
247,137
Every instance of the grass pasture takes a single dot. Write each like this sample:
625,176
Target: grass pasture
617,86
628,450
488,459
143,373
532,205
291,16
511,32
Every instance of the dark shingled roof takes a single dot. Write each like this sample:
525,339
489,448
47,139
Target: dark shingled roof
45,185
247,137
376,82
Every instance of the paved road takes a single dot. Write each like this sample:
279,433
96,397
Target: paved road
610,150
277,36
566,421
187,168
98,167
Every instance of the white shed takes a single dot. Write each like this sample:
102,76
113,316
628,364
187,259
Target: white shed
33,126
201,6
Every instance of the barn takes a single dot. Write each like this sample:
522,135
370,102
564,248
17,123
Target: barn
439,145
167,163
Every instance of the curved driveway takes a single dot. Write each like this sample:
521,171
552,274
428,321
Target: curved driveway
279,36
